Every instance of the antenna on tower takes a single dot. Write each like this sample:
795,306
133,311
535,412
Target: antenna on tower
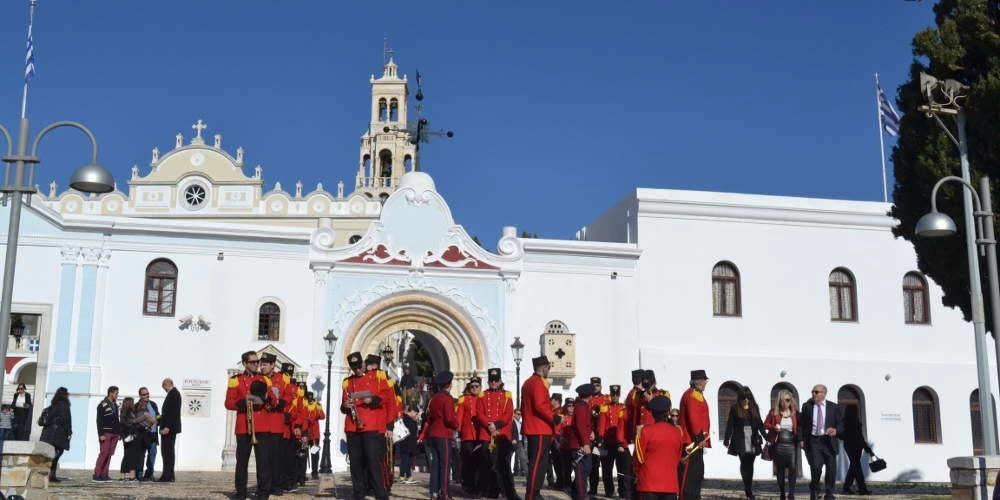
419,130
387,52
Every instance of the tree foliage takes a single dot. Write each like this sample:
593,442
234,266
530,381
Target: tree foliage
965,46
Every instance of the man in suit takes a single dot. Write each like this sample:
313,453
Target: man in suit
170,427
819,425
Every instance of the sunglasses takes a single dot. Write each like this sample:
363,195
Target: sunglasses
817,392
252,362
787,400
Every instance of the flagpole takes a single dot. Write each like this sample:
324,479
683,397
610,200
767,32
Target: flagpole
24,95
881,141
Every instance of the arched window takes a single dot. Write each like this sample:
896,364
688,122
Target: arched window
382,109
977,421
851,395
725,290
727,398
385,163
843,296
394,110
366,164
160,294
269,322
916,310
408,163
926,428
354,239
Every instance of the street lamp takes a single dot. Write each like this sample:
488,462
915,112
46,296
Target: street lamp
936,224
90,178
518,349
330,341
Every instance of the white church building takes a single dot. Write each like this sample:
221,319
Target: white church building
199,258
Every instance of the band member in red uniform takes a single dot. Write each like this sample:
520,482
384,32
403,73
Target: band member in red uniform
472,449
495,417
577,444
364,426
562,459
598,403
658,449
387,392
696,424
611,432
555,459
632,403
249,392
277,428
441,426
316,414
537,423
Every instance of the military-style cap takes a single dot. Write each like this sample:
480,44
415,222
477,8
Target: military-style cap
659,404
637,376
476,380
268,358
570,401
540,361
287,368
649,376
354,360
698,375
493,375
585,390
373,359
444,377
556,396
595,380
616,390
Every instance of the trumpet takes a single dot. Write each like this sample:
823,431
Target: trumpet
354,396
698,444
253,434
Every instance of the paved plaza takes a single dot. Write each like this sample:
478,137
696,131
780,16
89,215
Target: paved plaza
217,485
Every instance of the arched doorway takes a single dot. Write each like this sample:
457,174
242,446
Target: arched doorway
440,327
727,398
975,412
851,398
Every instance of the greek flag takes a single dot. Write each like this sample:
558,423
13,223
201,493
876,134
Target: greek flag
890,117
29,58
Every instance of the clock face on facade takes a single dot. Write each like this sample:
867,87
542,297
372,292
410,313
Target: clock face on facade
197,159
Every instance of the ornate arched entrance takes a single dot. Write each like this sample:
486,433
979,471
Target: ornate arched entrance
458,342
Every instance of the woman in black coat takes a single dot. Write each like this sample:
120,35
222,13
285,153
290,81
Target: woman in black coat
406,448
22,413
854,443
58,428
745,435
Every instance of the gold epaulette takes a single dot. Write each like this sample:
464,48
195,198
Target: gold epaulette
234,381
345,382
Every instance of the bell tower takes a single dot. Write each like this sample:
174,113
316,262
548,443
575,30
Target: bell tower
387,151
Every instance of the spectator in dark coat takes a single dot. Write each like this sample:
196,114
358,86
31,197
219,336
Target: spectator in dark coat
406,449
58,428
170,427
22,413
854,444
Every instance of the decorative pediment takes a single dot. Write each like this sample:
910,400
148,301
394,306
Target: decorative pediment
416,230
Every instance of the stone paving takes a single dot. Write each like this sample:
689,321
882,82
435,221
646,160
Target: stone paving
217,485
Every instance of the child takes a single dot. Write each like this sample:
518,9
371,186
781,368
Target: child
6,424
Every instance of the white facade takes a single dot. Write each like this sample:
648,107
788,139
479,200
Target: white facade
634,289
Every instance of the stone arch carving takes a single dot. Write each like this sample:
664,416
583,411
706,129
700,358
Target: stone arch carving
422,311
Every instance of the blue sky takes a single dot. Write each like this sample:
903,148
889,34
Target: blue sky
559,108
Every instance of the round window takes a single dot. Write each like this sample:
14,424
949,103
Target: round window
195,196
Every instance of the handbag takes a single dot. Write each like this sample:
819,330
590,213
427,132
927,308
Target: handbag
877,465
768,452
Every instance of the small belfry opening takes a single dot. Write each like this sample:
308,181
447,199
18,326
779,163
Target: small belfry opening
394,110
382,110
385,163
408,163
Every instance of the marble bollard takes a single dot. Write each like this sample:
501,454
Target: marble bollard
974,478
26,468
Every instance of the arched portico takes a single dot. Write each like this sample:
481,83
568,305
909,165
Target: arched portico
420,311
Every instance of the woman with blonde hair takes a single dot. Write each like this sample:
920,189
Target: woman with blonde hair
782,429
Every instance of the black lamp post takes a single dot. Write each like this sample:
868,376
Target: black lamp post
518,348
331,348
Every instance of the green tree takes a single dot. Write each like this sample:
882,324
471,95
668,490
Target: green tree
965,46
525,234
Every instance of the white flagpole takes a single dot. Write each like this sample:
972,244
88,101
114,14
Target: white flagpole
881,140
24,95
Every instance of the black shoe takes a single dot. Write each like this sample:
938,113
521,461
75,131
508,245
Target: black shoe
848,491
865,492
53,479
165,479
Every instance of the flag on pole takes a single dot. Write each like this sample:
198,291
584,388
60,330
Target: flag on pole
890,117
29,57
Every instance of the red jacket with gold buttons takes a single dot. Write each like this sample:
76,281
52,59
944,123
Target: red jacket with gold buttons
658,450
496,407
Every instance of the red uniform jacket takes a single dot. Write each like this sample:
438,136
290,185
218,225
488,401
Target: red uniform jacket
441,419
646,416
773,423
283,400
468,429
236,392
497,407
694,416
658,451
315,415
578,432
633,402
387,392
611,425
536,409
372,415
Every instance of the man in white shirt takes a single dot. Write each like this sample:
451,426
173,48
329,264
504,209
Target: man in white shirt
820,423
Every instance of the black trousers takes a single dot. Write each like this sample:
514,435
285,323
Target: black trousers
657,496
820,454
538,463
595,472
367,454
473,466
314,459
262,457
168,452
500,480
854,472
694,475
611,462
746,472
